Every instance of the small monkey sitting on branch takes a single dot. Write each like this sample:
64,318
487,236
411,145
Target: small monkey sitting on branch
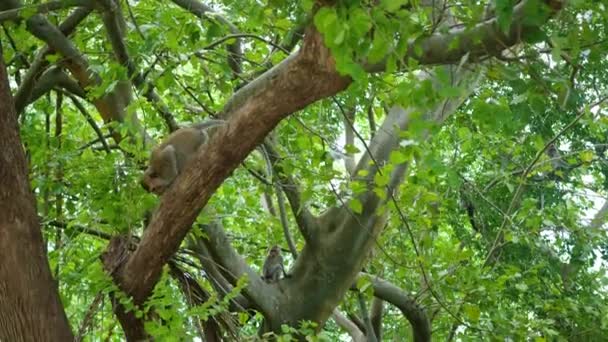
169,158
273,266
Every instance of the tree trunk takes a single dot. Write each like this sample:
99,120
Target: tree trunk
30,309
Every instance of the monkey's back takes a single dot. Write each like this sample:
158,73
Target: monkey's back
189,139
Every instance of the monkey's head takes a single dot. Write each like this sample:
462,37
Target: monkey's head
274,251
161,170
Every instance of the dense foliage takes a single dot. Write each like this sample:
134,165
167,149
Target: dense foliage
497,229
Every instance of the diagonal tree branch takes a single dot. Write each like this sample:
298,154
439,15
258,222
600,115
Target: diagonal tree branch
17,13
111,106
41,63
53,77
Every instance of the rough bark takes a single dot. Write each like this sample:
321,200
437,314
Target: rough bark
30,308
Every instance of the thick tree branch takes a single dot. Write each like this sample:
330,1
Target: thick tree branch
263,295
480,41
417,317
51,78
16,13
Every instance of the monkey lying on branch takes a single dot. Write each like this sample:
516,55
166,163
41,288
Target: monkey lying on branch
169,158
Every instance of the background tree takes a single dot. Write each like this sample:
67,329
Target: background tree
430,168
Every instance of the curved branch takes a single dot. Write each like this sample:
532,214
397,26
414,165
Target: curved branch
351,328
478,42
417,317
111,105
41,63
50,79
16,13
261,294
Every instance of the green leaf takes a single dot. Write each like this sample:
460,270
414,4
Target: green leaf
587,156
363,283
472,312
307,5
380,46
359,21
356,206
393,5
28,12
351,149
325,18
339,37
450,92
397,157
463,133
381,179
504,13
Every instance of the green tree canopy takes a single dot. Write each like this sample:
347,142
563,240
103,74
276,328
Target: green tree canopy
430,169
